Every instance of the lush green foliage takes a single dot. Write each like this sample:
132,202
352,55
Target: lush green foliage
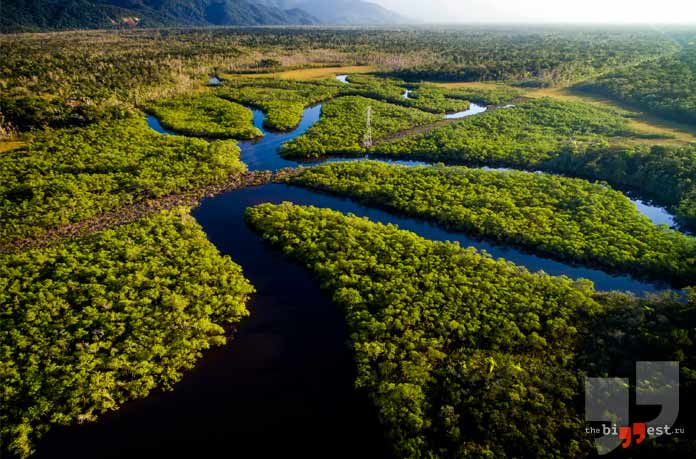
342,128
27,112
656,328
665,174
495,95
569,219
283,101
664,86
521,136
570,138
90,324
91,76
535,57
435,99
465,356
441,334
204,115
426,97
65,176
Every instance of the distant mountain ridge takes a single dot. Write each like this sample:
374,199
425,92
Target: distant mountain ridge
34,15
340,12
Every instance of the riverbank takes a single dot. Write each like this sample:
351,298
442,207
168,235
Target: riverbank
675,133
139,210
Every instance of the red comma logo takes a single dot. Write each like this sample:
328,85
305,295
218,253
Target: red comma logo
626,434
607,402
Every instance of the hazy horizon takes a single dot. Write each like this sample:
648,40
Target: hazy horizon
546,11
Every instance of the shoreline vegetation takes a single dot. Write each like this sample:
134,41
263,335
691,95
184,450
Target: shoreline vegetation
566,219
342,127
70,350
110,289
205,116
66,176
142,209
569,138
465,355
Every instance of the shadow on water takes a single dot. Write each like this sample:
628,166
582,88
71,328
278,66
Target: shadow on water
281,388
284,383
275,193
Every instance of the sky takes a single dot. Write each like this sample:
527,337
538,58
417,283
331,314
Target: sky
581,11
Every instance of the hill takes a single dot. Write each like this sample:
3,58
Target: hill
33,15
36,15
341,12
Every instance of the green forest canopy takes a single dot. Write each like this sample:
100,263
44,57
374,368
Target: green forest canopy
570,138
568,219
522,136
69,175
466,356
204,115
665,86
343,125
283,101
78,78
68,346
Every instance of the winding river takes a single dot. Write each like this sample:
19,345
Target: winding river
285,381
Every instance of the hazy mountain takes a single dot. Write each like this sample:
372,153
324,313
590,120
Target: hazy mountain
341,11
16,15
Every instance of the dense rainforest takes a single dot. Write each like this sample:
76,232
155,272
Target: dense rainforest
77,78
666,86
63,177
284,100
522,136
205,116
342,128
570,219
463,355
281,100
426,97
89,324
565,137
665,174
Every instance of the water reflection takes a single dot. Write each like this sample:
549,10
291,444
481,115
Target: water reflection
474,109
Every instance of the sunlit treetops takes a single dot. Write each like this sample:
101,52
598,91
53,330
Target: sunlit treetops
282,100
344,124
204,115
65,176
464,355
90,324
665,86
568,219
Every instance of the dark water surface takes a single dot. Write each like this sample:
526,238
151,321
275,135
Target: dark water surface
283,386
213,215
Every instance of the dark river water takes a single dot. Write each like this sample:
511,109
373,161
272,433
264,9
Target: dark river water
283,385
281,388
